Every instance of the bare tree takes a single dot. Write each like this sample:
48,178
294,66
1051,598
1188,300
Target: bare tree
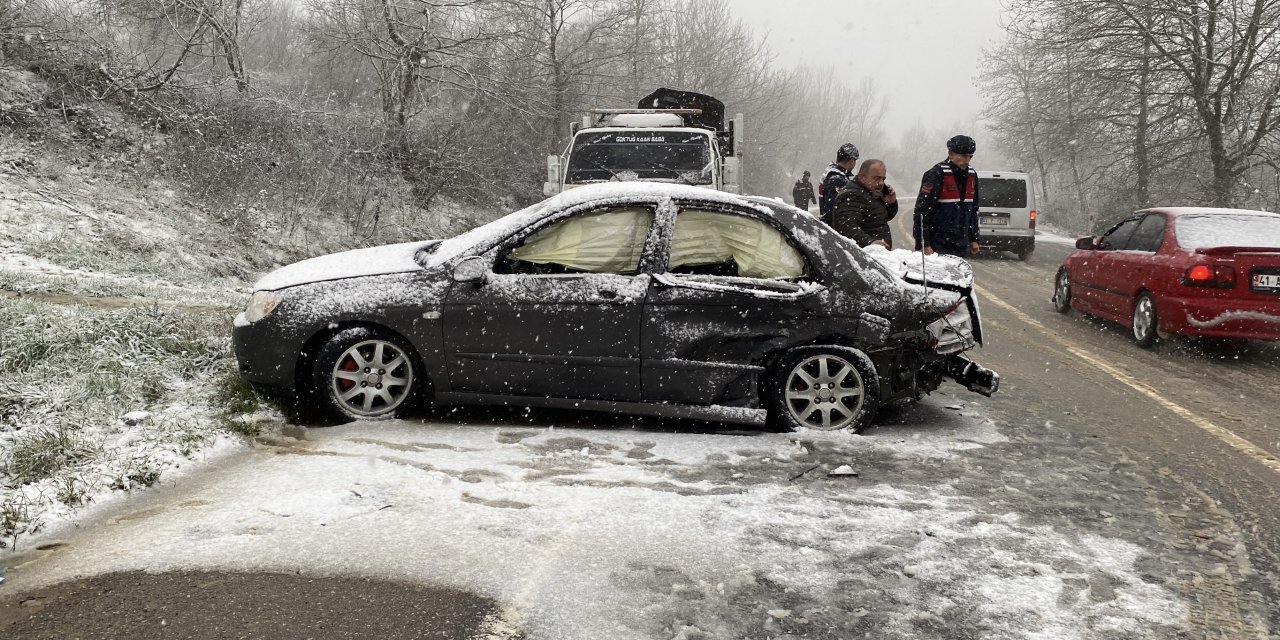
1227,52
415,47
1184,82
707,50
820,114
175,35
1014,105
571,45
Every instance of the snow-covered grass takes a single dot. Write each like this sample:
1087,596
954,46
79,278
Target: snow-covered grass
117,290
100,400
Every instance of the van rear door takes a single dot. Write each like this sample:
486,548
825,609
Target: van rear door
1004,204
1006,212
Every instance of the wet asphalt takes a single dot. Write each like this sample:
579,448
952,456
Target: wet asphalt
209,606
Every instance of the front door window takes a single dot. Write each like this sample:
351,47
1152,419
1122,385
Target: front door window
602,241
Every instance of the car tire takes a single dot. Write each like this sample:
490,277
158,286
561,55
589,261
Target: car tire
363,373
826,388
1062,292
1025,253
1145,322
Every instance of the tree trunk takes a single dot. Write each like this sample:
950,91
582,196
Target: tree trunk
559,81
1073,145
1141,157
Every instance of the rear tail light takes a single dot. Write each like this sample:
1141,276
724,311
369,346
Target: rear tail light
1210,275
953,332
1033,218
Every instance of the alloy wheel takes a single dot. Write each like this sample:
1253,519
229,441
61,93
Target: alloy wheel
372,378
1062,292
824,392
1144,321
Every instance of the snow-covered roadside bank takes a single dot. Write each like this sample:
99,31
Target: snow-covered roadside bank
655,531
115,370
1053,235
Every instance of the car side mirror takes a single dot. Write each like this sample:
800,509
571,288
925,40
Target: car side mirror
1085,243
471,269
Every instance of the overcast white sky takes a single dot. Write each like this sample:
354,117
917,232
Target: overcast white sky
923,53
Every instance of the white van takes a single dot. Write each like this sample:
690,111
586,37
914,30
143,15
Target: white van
1007,212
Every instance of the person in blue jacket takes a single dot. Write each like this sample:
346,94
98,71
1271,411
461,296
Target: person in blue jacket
946,215
835,179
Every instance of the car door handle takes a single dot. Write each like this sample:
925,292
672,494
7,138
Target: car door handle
607,293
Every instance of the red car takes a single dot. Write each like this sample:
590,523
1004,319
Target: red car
1180,270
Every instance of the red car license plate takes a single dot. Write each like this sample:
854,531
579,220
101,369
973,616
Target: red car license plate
1266,282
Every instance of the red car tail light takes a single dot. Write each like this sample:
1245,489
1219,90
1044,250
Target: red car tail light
1033,219
1210,275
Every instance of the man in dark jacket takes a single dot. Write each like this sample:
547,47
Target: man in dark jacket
836,177
946,215
802,193
865,207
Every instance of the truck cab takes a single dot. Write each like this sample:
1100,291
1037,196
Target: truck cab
681,140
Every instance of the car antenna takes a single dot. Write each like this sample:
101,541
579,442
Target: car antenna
924,278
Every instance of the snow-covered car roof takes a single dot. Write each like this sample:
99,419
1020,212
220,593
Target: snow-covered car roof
400,258
405,257
601,193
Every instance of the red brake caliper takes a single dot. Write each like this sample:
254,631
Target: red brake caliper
348,364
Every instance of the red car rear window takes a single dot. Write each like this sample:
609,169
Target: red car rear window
1198,231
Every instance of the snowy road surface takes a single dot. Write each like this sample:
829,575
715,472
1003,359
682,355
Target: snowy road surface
951,527
1201,419
1076,503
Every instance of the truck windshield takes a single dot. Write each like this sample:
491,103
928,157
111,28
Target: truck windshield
640,155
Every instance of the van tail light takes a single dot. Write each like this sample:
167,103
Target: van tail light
1210,275
1033,218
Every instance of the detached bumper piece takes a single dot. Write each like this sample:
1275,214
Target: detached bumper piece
972,375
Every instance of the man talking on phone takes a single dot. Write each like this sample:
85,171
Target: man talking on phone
864,208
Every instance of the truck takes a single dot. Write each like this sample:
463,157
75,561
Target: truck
672,136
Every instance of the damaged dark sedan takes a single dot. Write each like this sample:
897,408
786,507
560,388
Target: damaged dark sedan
623,297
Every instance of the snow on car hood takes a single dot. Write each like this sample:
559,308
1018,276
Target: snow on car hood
916,267
373,261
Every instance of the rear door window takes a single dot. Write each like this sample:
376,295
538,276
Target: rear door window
1003,193
716,243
